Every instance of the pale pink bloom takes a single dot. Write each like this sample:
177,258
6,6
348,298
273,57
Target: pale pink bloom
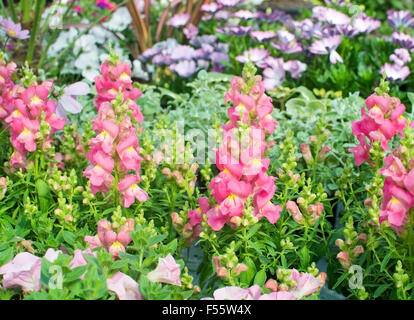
130,190
306,285
167,271
124,286
280,295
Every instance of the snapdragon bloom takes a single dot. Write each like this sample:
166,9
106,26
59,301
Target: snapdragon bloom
124,286
167,271
241,162
382,120
116,134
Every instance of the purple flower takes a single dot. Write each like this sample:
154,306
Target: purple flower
256,56
67,101
149,53
190,31
245,15
200,40
222,15
14,30
398,19
218,57
364,24
179,20
234,31
274,74
162,60
330,15
295,68
287,42
395,72
211,7
229,3
403,39
183,53
274,16
327,46
263,36
401,56
308,29
185,68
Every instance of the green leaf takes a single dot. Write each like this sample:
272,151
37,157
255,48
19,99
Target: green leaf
156,239
69,237
381,289
385,261
75,274
247,276
260,278
253,230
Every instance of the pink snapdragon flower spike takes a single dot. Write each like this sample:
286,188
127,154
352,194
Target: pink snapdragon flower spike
382,119
116,146
242,179
167,271
124,287
24,110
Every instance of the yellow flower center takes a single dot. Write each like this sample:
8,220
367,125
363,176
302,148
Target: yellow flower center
394,200
257,161
124,76
133,186
98,166
232,197
11,32
16,112
226,171
35,99
104,133
130,149
117,244
25,131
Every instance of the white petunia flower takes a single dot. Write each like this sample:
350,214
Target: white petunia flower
119,21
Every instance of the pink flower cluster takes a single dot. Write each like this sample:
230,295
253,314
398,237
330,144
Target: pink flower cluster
240,159
24,271
6,88
109,239
305,284
26,116
398,191
116,145
382,122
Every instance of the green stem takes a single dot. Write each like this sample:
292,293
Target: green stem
12,10
26,6
36,22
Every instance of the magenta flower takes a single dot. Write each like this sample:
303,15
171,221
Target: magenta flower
167,271
327,46
124,286
256,56
263,36
179,20
14,30
130,190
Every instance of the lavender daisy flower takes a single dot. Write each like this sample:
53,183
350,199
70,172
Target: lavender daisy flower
274,74
308,29
190,31
200,40
217,58
211,7
364,24
263,36
149,53
185,68
403,39
14,30
222,15
234,31
398,19
274,16
395,72
288,47
256,56
330,16
401,56
245,15
347,30
179,20
295,68
162,60
327,46
182,53
229,3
